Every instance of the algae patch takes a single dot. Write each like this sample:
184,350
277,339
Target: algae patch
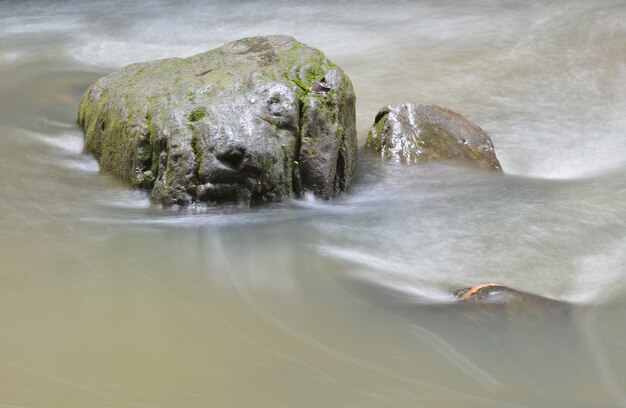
197,114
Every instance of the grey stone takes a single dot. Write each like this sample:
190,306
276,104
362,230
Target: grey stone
256,120
420,133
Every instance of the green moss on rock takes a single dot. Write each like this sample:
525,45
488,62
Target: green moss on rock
197,114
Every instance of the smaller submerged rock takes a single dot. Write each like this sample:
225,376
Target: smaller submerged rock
492,297
488,293
419,133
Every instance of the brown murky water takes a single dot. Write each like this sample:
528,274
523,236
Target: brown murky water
106,301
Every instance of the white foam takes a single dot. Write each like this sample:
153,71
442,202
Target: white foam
68,142
600,274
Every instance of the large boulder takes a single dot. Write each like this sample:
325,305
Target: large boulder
256,120
420,133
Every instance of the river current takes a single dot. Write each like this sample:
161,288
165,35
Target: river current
109,301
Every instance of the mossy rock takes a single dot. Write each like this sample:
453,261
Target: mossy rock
256,120
420,133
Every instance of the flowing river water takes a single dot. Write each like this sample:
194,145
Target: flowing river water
108,301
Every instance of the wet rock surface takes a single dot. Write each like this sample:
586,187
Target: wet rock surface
257,120
420,133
